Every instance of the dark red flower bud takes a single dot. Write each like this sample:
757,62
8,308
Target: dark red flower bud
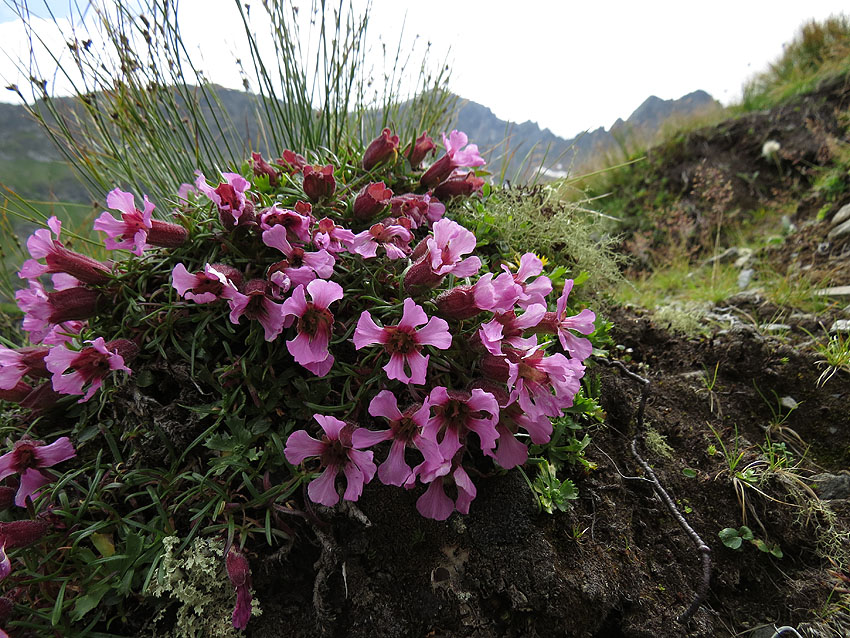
262,167
438,171
457,303
166,234
84,268
495,368
238,569
292,162
33,358
304,208
459,185
234,275
73,304
43,397
383,148
22,533
124,347
16,394
371,200
420,276
319,182
417,150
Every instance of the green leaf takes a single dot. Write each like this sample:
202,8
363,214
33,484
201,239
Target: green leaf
89,601
730,537
690,473
745,532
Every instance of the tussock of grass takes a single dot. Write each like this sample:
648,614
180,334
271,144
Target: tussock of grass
819,51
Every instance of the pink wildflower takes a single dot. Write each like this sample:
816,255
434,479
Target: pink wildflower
239,573
458,413
291,161
534,292
301,266
508,328
28,458
256,304
442,256
404,341
59,259
392,237
315,324
48,315
336,451
455,157
297,225
16,364
405,431
90,365
558,322
533,376
217,281
435,504
229,197
136,230
421,210
333,238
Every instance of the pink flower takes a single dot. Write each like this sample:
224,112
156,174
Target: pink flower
319,182
382,149
301,267
48,315
59,259
256,304
498,294
536,291
458,413
533,376
404,342
315,324
508,328
16,364
217,281
228,196
417,150
239,573
558,322
371,200
392,237
405,431
28,458
443,256
136,230
333,238
90,365
435,504
455,157
421,210
296,224
336,451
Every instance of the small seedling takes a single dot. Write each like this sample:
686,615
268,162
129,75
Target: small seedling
734,539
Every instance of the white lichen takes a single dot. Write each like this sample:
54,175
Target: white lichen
197,582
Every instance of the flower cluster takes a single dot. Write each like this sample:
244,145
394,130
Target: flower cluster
341,299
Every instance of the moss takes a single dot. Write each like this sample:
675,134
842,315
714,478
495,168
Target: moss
657,443
197,582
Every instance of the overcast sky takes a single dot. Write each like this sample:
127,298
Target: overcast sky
567,65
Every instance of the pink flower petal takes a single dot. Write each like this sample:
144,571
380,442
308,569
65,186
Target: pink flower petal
434,503
368,332
331,425
385,404
323,489
31,481
60,450
300,446
435,333
395,471
413,315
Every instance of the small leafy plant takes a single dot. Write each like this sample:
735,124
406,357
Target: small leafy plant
734,539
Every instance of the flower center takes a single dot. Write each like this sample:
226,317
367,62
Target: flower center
401,340
25,457
228,195
315,320
91,364
405,429
334,453
455,414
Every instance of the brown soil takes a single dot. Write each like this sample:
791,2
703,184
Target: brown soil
616,564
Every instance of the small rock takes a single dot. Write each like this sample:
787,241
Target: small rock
776,327
842,230
745,277
788,403
830,487
835,291
823,248
726,256
840,325
842,215
787,225
745,256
